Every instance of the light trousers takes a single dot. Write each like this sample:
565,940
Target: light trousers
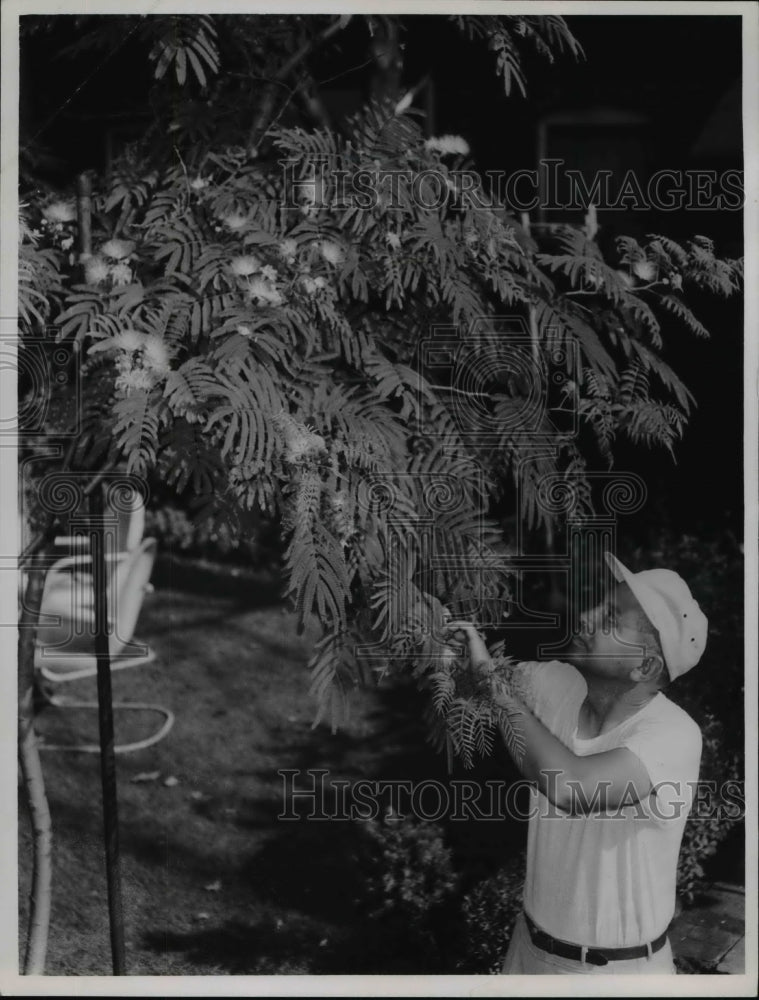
525,959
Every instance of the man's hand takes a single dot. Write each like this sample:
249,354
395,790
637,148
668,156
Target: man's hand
478,651
483,664
511,708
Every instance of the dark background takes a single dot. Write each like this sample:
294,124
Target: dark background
679,75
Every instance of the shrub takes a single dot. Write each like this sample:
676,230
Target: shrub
703,835
488,913
207,538
409,884
420,908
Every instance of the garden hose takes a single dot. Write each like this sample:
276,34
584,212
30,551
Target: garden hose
60,677
61,701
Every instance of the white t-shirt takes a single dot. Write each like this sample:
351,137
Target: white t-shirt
608,879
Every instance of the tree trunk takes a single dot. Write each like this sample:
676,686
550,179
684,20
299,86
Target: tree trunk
273,91
388,60
34,782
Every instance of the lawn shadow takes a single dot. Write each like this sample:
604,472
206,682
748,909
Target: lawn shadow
296,946
312,858
237,948
308,870
303,870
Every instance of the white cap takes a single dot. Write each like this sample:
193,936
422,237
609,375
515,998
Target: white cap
671,609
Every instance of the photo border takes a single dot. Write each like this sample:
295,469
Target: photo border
478,986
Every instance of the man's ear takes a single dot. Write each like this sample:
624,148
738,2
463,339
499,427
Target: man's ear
651,669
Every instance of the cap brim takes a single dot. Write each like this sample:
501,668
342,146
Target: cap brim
646,598
640,591
620,572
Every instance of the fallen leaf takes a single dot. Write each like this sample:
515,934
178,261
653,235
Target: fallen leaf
145,776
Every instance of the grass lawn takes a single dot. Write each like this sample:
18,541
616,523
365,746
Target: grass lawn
213,882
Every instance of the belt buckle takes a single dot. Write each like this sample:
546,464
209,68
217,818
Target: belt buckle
596,957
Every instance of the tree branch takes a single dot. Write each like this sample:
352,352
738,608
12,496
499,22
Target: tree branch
266,110
312,101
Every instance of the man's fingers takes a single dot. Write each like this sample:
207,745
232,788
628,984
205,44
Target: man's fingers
459,627
469,630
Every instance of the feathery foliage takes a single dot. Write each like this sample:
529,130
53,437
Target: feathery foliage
361,368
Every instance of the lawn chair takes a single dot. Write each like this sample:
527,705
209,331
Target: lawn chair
65,649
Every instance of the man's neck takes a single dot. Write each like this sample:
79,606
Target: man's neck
608,702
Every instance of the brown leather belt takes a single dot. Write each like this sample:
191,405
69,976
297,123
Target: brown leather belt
594,956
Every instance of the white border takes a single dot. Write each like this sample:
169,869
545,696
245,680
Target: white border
477,986
9,540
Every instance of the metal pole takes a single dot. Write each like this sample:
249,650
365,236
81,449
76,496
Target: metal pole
105,717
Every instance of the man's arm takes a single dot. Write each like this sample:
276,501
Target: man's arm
576,784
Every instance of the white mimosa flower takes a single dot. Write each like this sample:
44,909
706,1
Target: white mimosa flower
137,378
235,221
60,211
288,248
96,271
301,441
263,291
156,355
331,252
448,145
121,274
644,269
117,249
243,266
129,340
304,443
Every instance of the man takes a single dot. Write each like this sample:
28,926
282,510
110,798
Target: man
614,763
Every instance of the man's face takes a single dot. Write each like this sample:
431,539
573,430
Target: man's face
610,642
